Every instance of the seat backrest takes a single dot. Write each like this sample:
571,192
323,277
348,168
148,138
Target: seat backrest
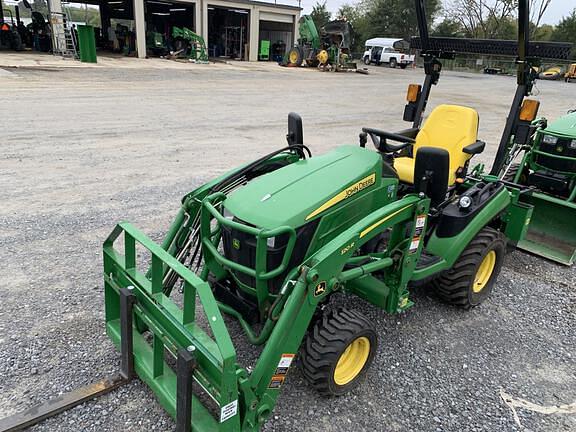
431,173
449,127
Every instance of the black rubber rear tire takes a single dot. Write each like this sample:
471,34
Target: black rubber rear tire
17,42
327,341
455,286
393,63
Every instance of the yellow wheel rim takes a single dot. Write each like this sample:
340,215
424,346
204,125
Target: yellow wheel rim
352,361
293,57
322,57
484,271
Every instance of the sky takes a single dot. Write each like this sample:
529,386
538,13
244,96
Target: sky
554,13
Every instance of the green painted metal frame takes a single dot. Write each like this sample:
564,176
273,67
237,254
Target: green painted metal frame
549,232
210,240
173,328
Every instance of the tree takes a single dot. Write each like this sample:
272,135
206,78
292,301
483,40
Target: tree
543,33
448,28
320,15
396,18
483,19
537,11
356,15
40,6
565,31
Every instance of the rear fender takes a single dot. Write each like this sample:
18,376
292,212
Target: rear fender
450,248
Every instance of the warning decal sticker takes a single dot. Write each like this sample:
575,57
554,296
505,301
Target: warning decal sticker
228,410
420,221
281,371
414,244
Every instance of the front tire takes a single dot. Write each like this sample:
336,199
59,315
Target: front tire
470,281
511,174
366,60
337,351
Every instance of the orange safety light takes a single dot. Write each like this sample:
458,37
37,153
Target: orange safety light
529,110
5,27
413,92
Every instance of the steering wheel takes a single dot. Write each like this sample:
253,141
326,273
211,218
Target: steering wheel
382,145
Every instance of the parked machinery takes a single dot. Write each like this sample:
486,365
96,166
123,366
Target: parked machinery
548,166
188,44
570,73
10,38
327,49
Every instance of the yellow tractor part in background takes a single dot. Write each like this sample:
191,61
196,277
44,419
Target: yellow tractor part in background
571,73
323,57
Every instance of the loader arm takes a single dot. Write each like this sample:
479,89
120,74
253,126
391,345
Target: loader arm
244,400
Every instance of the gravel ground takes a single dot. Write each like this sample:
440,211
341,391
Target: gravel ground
86,148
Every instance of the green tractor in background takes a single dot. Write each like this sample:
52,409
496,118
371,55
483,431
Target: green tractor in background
189,45
548,164
270,242
328,49
156,43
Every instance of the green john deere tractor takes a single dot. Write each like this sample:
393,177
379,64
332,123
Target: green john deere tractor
189,45
327,49
548,165
270,242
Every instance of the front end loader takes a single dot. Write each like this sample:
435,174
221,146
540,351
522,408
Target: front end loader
547,153
269,243
548,165
189,45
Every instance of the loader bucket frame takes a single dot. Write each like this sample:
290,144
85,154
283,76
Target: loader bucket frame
149,327
210,360
551,232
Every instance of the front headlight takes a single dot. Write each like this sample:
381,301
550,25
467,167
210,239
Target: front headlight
465,202
549,139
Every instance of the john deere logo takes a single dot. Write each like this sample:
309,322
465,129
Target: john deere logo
236,243
320,289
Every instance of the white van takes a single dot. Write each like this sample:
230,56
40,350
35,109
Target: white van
387,50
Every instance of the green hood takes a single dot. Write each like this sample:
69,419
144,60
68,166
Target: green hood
306,189
564,126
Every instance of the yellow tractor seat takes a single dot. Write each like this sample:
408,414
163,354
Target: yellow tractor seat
453,128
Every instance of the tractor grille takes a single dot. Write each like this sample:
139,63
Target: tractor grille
563,147
240,247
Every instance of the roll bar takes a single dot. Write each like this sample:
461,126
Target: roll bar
527,55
